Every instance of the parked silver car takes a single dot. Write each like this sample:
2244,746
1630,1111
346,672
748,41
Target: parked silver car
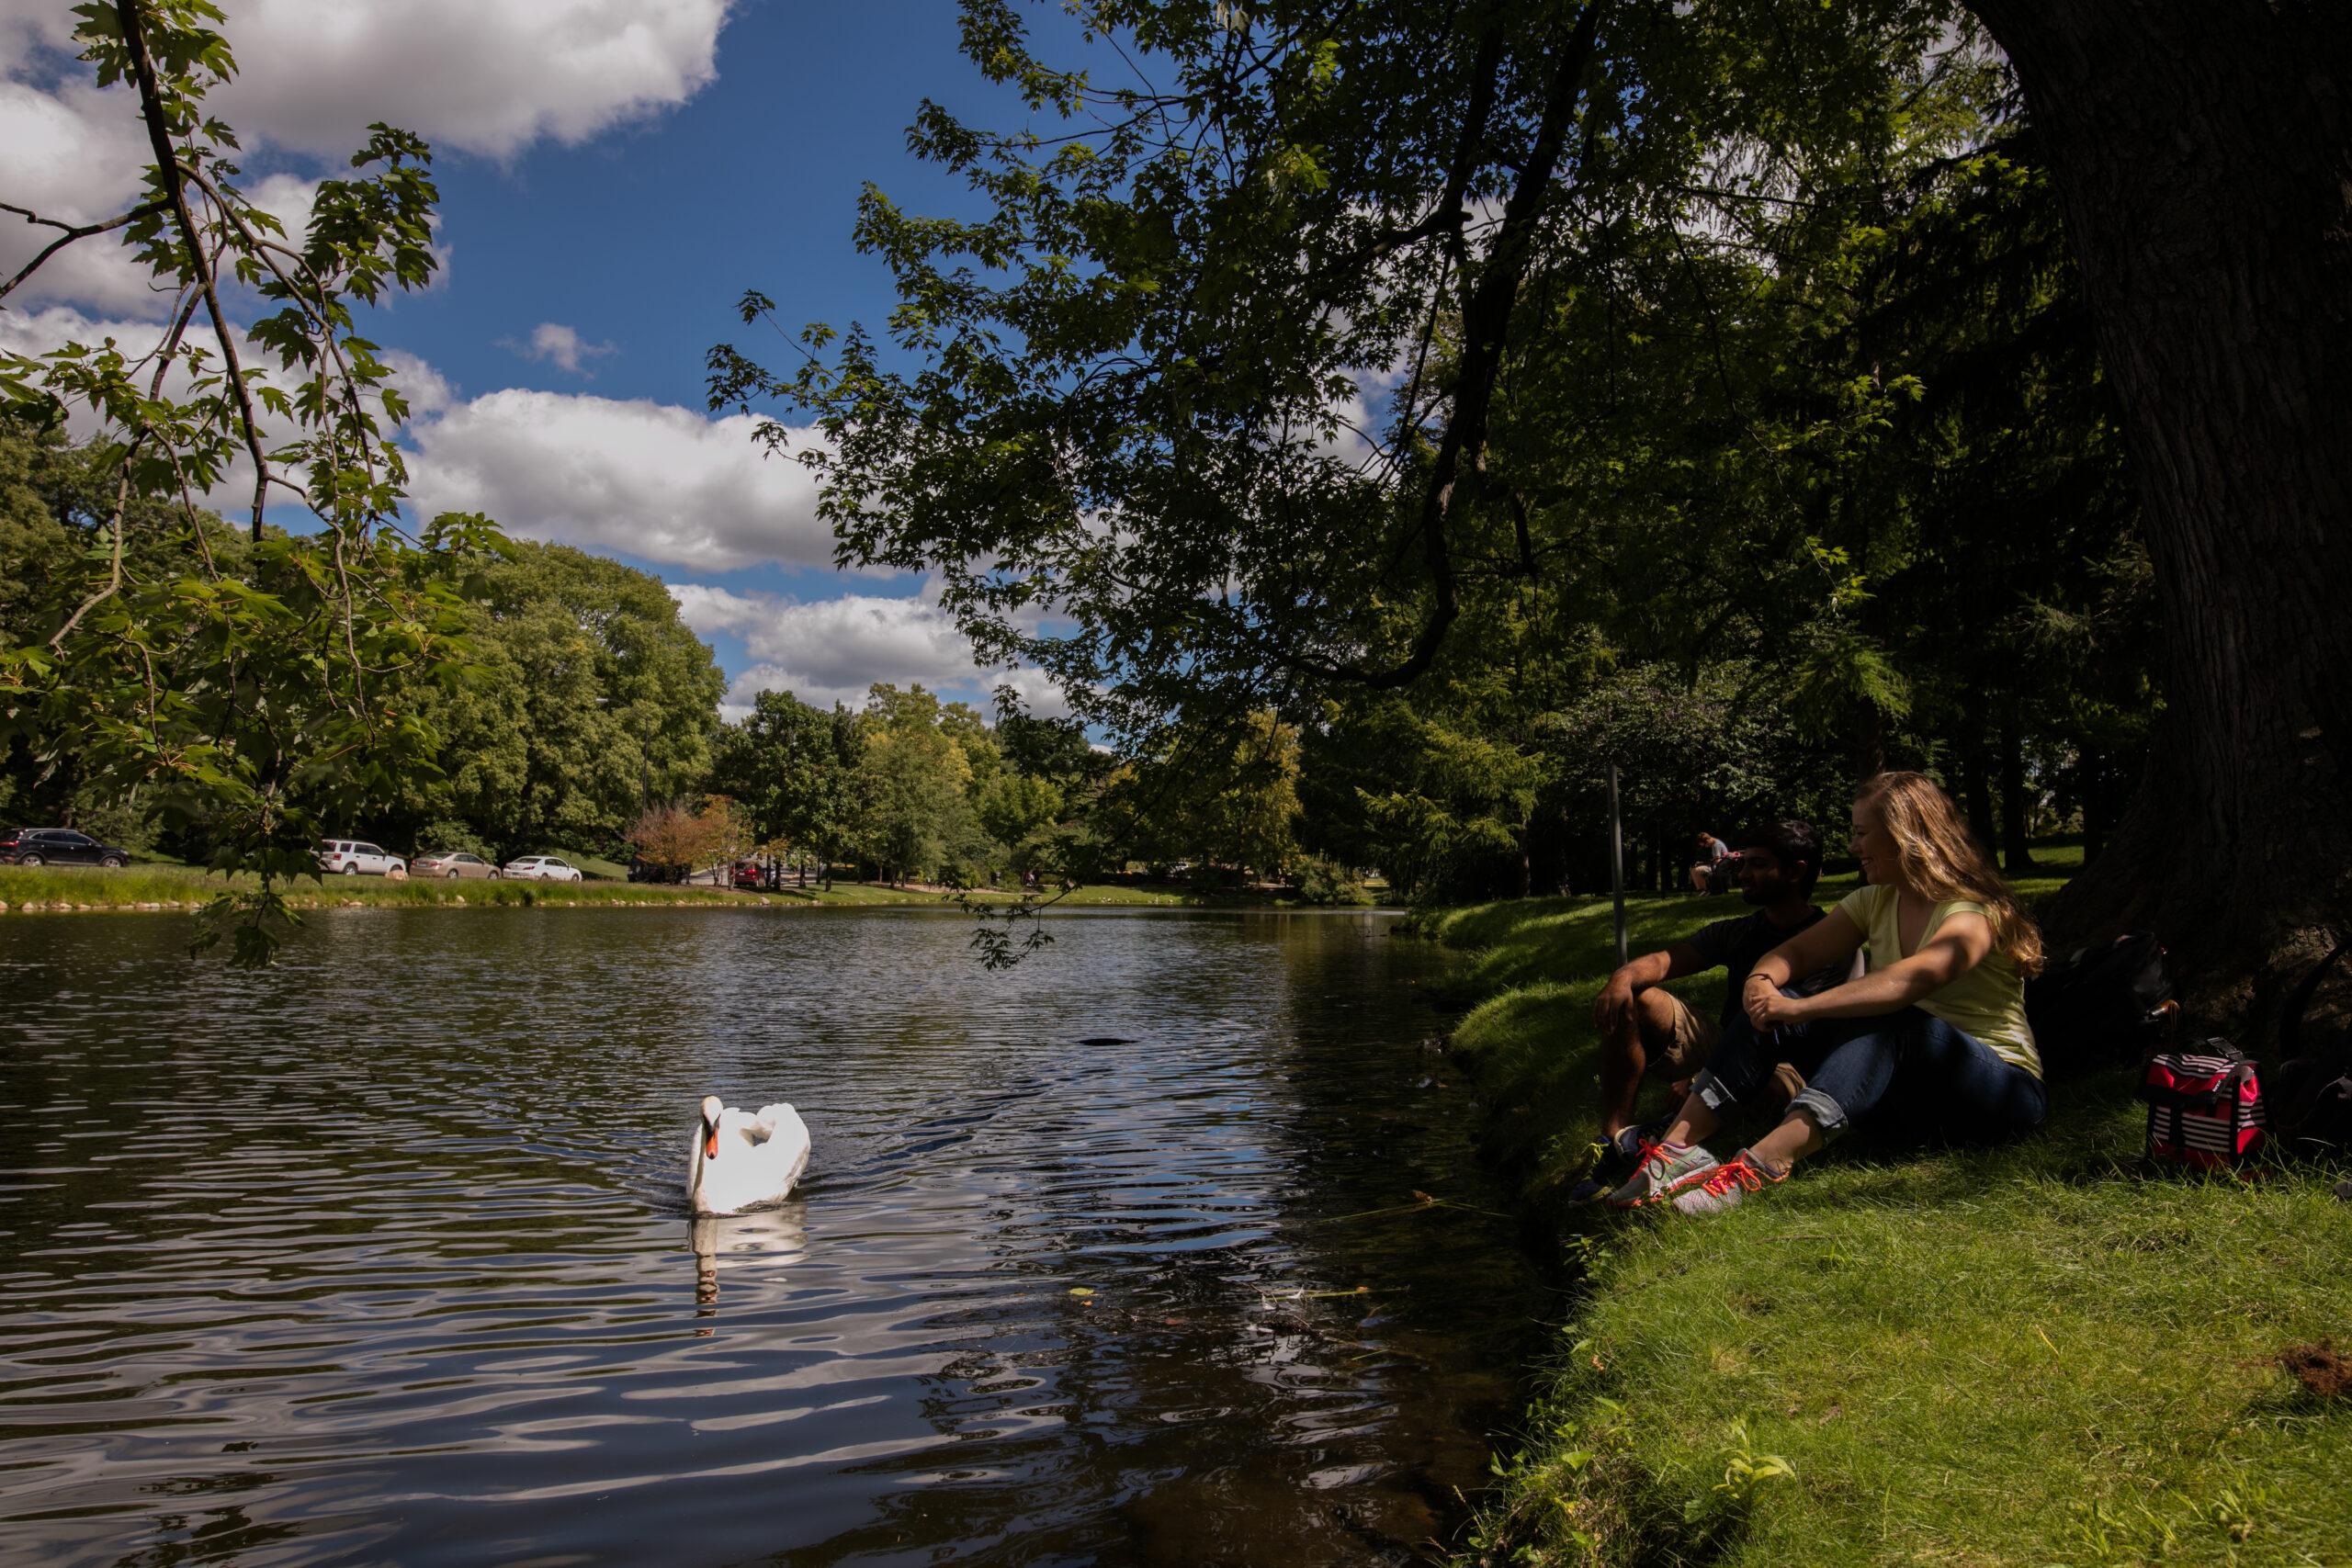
542,868
451,864
355,857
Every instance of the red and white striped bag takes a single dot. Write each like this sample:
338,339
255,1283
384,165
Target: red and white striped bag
2204,1107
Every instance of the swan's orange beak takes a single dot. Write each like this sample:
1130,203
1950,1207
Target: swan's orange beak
711,1140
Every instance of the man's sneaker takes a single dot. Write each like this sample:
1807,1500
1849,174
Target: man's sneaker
1664,1170
1613,1159
1724,1187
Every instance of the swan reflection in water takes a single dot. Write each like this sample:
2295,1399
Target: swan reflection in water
765,1238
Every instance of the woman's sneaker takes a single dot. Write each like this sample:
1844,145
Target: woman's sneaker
1727,1185
1666,1170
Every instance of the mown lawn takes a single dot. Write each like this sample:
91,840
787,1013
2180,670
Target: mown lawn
2027,1355
49,889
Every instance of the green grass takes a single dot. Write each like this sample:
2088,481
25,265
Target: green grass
603,870
52,887
172,886
2025,1354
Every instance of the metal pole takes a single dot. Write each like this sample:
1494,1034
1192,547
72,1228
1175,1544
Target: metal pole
1617,862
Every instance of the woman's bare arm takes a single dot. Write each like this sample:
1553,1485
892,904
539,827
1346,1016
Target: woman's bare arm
1833,939
1960,944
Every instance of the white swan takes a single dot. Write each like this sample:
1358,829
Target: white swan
739,1160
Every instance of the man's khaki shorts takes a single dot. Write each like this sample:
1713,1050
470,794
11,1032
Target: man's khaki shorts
1689,1040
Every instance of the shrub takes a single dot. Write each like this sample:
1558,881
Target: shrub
1325,881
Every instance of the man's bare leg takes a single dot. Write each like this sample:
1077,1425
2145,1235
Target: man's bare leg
1693,1124
1625,1053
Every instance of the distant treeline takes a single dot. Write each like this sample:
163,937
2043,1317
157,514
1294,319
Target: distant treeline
589,723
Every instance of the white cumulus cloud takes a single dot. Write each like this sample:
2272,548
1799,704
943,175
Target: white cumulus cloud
486,76
73,156
649,479
490,77
553,343
832,650
662,483
40,331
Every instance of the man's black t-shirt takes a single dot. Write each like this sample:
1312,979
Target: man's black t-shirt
1738,942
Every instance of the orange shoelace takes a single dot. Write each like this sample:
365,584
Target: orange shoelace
1652,1151
1739,1172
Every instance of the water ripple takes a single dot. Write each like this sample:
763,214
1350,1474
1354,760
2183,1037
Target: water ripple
383,1256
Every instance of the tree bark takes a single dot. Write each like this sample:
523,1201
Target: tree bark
1869,740
2202,154
2090,769
1976,791
2017,850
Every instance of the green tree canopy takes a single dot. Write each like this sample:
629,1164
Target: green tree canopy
265,697
795,768
915,778
592,697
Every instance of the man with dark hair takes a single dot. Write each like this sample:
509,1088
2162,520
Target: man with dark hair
1643,1025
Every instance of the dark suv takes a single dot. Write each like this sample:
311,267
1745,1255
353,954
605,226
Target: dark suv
58,846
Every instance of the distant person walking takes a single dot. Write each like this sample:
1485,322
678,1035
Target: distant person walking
1712,851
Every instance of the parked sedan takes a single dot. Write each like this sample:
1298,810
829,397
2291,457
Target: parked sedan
355,857
58,846
542,868
452,864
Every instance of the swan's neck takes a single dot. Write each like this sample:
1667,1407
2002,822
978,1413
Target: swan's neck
702,1160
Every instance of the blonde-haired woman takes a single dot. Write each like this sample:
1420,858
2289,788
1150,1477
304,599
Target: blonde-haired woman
1934,1031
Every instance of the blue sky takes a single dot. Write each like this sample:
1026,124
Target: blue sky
607,197
645,236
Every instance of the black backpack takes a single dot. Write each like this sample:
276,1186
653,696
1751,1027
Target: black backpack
2103,1005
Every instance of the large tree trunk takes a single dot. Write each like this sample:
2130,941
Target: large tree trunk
1977,792
2017,848
2203,158
2091,775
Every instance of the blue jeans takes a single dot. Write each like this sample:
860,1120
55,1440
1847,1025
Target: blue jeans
1909,1067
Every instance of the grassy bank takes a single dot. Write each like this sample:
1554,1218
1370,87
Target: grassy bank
2028,1354
54,888
48,889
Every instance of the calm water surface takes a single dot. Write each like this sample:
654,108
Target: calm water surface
384,1256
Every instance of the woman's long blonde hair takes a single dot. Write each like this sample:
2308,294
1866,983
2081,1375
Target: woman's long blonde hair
1940,858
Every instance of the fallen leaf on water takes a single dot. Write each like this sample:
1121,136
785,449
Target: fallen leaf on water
1081,1289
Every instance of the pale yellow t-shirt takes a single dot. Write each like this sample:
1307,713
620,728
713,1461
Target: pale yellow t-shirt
1988,1003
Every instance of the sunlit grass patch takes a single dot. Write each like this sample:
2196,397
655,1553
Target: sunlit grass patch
137,884
1997,1357
52,888
49,889
2033,1354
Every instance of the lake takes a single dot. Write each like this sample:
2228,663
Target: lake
384,1256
